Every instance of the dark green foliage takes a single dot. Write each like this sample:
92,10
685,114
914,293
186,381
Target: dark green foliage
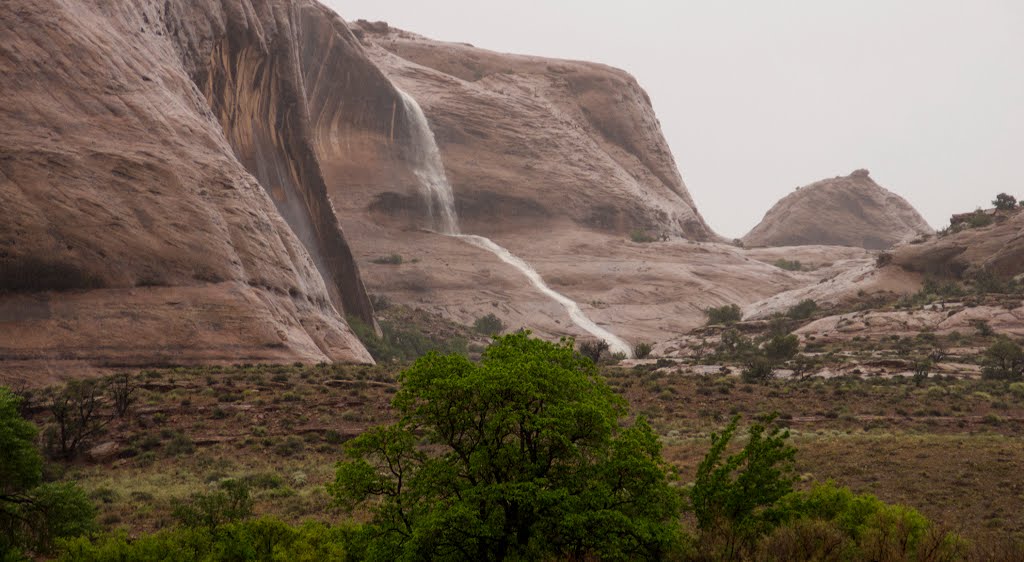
725,314
402,343
758,369
33,513
642,350
393,259
593,349
781,347
978,219
520,456
488,325
733,491
1005,202
802,310
734,346
789,265
1004,359
229,503
829,522
259,539
641,237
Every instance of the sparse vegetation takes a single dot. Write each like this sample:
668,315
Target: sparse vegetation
802,310
725,314
789,265
642,350
592,349
488,325
641,237
1005,202
393,259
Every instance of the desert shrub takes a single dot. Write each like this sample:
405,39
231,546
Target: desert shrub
642,350
519,456
856,527
641,237
781,347
122,393
398,343
488,325
802,310
734,346
789,265
883,259
979,219
1005,202
259,539
983,328
1004,359
725,314
230,502
393,259
289,447
77,418
592,349
758,369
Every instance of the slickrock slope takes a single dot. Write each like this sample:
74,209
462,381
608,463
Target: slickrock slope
531,142
998,249
161,197
842,211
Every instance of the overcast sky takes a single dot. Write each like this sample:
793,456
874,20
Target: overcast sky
757,97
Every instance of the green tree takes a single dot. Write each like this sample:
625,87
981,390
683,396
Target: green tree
782,347
725,314
1004,359
488,325
1005,202
33,513
519,456
802,310
731,493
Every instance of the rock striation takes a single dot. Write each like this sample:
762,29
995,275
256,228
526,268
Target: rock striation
163,196
842,211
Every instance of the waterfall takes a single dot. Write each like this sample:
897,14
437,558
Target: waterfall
429,170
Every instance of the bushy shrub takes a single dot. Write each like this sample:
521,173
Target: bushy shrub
1005,202
642,350
758,369
488,325
1004,359
802,310
402,343
641,237
725,314
230,502
789,265
592,349
781,347
393,259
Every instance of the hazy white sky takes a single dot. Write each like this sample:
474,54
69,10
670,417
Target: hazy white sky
757,97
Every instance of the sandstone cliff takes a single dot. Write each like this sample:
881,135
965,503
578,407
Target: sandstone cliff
842,211
533,142
997,249
162,197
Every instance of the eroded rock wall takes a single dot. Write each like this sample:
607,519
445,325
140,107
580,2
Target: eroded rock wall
157,160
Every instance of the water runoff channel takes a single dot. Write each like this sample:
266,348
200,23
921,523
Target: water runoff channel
433,182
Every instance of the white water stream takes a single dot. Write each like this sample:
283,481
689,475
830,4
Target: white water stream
429,170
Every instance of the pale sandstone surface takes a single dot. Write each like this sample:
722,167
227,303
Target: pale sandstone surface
841,211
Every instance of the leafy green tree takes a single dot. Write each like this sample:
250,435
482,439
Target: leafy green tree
518,456
33,513
802,310
1004,359
732,492
781,347
642,350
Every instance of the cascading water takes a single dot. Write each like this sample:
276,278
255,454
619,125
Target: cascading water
429,170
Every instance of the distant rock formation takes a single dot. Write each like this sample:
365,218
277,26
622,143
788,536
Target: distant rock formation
163,201
842,211
997,249
530,142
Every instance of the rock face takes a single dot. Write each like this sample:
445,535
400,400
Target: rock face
843,211
997,249
531,142
163,198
